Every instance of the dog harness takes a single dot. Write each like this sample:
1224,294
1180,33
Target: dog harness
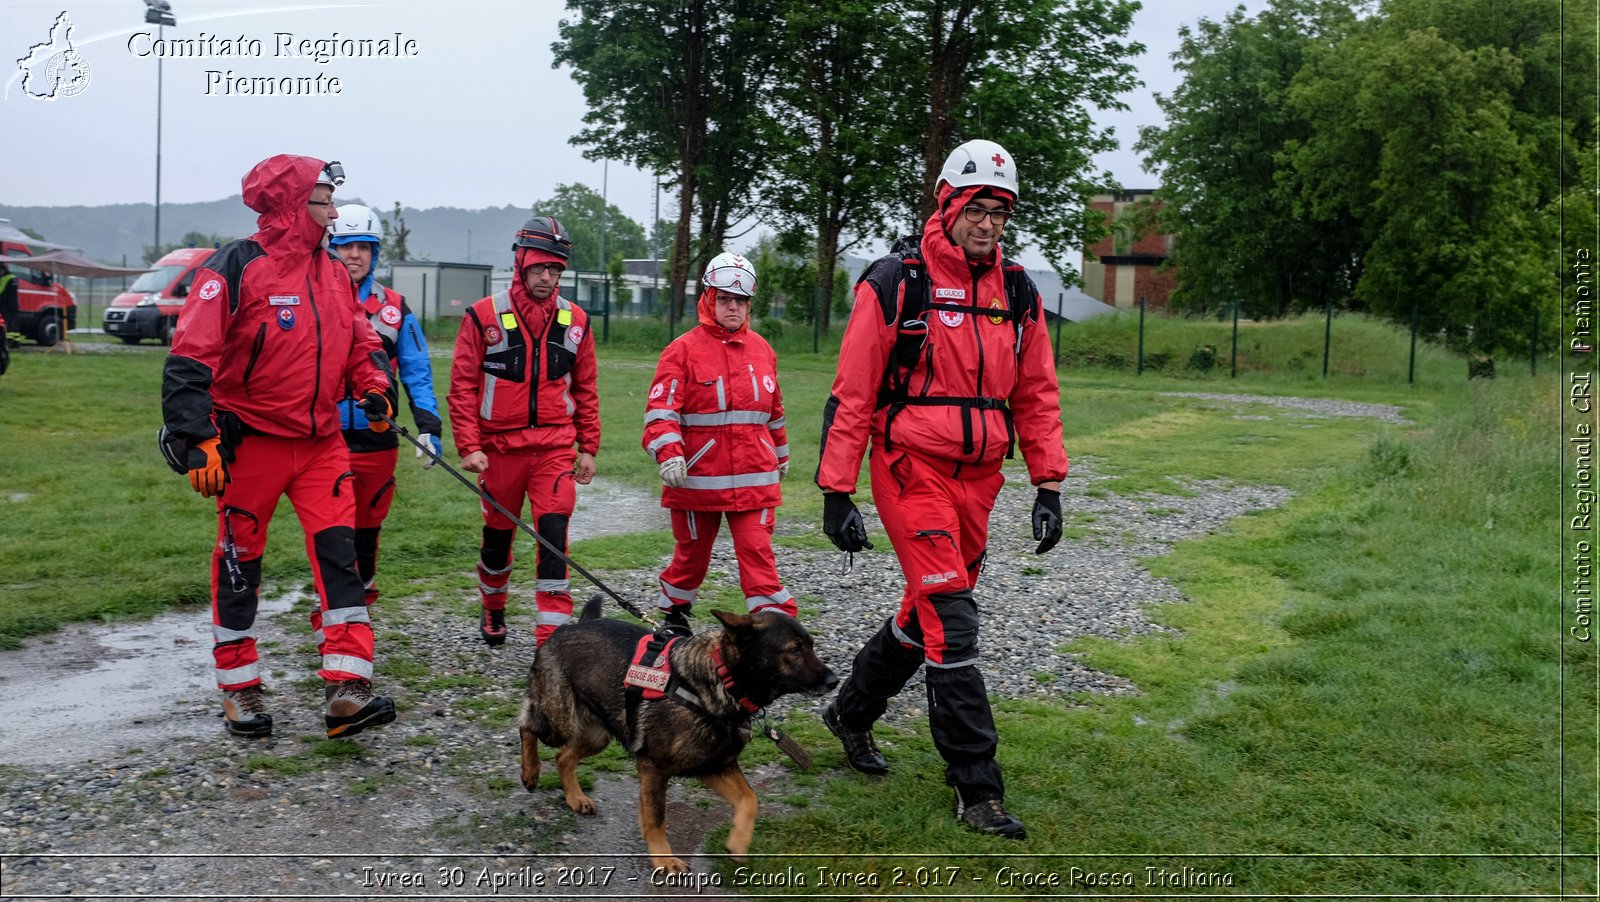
650,676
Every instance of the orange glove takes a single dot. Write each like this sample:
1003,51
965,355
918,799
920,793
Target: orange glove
376,404
207,471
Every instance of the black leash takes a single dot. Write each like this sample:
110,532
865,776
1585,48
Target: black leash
546,543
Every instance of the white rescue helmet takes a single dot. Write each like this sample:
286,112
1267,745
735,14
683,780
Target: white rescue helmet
355,223
731,273
980,162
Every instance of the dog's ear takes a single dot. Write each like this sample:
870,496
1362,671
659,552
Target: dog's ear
734,623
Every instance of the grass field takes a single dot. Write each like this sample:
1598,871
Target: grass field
1369,692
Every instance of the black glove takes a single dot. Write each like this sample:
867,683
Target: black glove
376,406
842,523
1046,520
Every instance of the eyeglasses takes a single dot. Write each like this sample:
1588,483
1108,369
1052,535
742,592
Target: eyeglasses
975,213
320,203
539,269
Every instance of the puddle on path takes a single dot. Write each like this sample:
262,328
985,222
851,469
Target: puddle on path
87,689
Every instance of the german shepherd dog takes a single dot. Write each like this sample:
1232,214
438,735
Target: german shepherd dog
576,703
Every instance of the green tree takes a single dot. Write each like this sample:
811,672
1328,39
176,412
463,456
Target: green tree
191,239
1449,201
393,247
1028,74
831,169
675,87
593,223
1225,190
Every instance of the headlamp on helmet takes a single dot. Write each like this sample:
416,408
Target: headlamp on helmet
332,174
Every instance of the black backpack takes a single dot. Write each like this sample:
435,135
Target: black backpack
904,264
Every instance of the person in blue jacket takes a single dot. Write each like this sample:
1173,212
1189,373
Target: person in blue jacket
355,236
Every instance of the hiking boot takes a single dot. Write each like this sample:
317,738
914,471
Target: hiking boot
352,708
675,622
493,627
989,816
245,712
860,752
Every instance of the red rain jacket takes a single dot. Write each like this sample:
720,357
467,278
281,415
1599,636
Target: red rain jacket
270,330
965,356
716,402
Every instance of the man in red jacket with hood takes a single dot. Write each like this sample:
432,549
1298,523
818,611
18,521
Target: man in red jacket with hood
526,416
266,346
945,362
713,422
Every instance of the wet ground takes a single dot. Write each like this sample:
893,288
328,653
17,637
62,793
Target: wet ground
88,689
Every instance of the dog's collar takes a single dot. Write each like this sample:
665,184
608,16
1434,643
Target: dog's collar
745,704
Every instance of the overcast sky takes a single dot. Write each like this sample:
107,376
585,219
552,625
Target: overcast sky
476,118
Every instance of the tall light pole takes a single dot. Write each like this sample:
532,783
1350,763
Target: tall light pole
605,172
159,14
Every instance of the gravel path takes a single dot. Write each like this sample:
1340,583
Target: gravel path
437,790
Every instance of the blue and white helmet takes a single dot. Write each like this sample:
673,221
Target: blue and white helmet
355,223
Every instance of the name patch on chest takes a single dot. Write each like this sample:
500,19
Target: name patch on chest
955,294
284,300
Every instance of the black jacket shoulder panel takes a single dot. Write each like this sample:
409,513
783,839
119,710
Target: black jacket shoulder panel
229,262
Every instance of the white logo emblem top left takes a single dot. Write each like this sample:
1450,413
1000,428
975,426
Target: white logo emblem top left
210,289
54,69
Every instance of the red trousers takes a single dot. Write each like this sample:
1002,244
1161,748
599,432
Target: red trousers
939,526
696,531
373,486
309,471
544,478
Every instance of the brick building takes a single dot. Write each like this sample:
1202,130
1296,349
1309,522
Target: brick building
1123,267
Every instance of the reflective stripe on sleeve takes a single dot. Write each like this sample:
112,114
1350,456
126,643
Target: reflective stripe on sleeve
667,439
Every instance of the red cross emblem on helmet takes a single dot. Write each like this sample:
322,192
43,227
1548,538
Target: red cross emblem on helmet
998,160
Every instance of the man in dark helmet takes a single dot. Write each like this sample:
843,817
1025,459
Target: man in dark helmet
526,418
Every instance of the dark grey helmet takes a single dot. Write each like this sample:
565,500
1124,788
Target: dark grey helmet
545,234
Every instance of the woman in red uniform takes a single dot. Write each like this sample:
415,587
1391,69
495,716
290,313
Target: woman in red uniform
714,424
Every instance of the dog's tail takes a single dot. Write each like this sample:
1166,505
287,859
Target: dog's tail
594,609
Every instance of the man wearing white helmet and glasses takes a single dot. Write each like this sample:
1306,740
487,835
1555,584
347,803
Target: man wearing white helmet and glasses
946,364
355,235
713,422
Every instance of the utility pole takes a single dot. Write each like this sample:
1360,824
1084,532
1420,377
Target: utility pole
159,14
